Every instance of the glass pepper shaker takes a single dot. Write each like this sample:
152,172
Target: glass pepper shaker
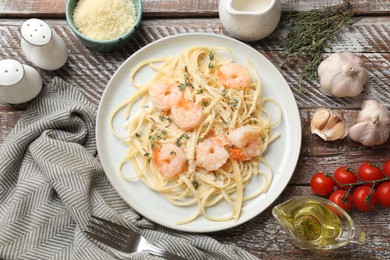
42,46
19,83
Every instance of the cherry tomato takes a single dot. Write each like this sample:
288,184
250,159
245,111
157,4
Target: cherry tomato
337,197
365,198
321,184
344,176
383,192
369,172
386,167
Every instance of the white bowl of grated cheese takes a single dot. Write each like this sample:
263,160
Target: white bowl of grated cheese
104,25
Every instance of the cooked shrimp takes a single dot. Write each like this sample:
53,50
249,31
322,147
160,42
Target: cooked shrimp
211,153
186,114
164,94
170,160
247,143
233,75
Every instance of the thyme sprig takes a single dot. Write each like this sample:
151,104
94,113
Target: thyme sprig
186,82
308,34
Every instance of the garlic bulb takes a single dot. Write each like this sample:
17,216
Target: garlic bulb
342,75
328,125
373,124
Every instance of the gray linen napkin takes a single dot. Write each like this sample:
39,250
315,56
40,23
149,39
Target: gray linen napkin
51,182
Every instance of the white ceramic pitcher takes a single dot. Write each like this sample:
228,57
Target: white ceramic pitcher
19,83
250,20
42,46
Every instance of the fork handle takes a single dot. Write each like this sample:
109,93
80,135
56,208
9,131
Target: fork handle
165,254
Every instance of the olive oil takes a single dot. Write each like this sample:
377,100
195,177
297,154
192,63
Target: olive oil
315,223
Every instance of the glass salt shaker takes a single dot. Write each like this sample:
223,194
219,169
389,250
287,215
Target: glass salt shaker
42,46
19,83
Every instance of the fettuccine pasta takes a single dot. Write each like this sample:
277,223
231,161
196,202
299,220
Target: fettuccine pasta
200,131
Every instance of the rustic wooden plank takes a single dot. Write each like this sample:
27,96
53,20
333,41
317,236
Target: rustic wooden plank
30,9
173,8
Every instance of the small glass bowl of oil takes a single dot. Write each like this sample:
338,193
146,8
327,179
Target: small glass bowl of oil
316,223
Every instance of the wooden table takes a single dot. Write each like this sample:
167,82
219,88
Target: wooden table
262,236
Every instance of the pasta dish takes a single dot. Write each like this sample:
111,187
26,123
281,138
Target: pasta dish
199,132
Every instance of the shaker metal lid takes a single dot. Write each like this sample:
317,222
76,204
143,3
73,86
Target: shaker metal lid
11,72
36,32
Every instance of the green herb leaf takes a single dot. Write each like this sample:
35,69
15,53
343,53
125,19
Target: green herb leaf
234,102
224,92
151,140
181,86
195,184
205,125
211,58
179,140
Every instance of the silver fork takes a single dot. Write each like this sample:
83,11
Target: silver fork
124,239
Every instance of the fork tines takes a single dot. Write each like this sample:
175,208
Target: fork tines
107,232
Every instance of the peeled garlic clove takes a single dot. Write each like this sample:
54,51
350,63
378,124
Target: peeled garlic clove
320,118
328,125
342,75
373,124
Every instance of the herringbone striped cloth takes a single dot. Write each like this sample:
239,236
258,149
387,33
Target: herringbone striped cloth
51,183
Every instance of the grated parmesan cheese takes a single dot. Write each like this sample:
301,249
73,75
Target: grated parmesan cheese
104,19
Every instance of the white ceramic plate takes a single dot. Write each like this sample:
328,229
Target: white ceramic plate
282,155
